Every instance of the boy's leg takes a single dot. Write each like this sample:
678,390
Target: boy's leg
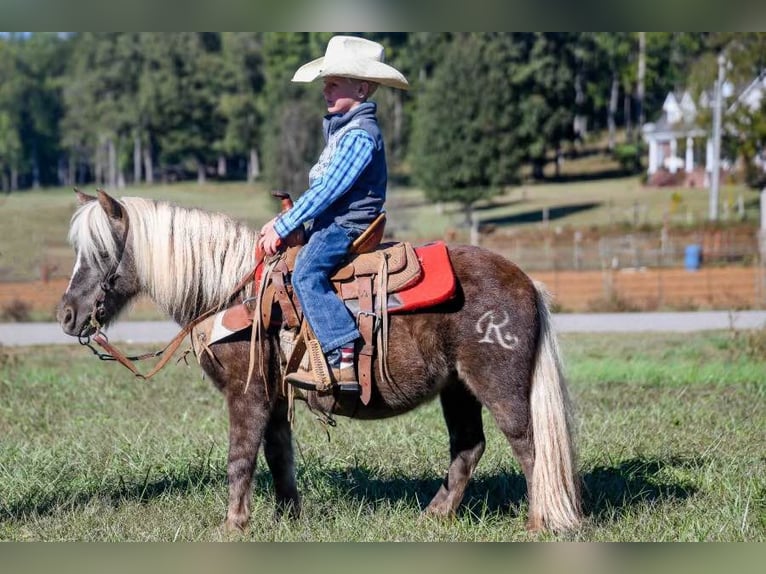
327,315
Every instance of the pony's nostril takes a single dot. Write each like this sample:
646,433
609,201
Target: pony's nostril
67,316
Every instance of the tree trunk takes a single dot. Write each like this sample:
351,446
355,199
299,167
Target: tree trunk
137,159
628,111
35,171
253,166
112,159
200,172
640,78
221,166
98,165
148,164
72,172
613,109
580,122
14,179
398,125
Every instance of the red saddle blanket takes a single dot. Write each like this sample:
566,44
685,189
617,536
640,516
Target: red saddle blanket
436,285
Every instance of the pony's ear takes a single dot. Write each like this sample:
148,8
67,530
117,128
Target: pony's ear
110,205
83,198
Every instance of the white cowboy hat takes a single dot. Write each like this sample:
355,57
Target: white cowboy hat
352,57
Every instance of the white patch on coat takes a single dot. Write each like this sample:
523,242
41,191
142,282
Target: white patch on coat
77,265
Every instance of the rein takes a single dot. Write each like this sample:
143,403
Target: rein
114,354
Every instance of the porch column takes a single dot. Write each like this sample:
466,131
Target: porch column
652,156
709,155
673,150
689,154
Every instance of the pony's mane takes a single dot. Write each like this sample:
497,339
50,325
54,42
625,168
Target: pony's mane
187,260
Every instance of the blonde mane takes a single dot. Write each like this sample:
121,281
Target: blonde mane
187,260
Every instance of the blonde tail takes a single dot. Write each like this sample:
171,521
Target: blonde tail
554,497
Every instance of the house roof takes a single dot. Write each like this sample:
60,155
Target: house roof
752,95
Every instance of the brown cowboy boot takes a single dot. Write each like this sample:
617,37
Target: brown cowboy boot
321,377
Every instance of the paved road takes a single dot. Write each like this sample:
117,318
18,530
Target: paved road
13,334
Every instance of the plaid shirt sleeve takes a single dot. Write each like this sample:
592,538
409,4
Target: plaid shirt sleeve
352,156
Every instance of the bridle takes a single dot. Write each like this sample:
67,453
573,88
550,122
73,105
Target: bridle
112,353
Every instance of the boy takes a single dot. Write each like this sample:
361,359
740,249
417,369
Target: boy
346,193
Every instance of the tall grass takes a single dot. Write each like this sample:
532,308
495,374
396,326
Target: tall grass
667,452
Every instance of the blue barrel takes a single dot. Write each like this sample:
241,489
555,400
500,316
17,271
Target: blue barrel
692,257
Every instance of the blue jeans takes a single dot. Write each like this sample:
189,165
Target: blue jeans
327,315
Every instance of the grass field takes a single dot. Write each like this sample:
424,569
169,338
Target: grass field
34,224
670,431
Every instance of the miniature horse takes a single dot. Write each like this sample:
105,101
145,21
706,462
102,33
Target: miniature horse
490,346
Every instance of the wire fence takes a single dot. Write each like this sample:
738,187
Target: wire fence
577,251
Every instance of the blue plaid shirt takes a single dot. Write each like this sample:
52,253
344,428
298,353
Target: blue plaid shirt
350,159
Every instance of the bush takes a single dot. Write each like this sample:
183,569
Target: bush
628,156
16,311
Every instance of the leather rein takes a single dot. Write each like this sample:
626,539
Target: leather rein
114,354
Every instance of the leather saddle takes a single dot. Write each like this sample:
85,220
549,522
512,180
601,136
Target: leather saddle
376,279
372,273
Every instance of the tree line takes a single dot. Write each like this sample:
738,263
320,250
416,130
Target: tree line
129,108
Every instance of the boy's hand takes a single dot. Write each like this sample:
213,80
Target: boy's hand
269,240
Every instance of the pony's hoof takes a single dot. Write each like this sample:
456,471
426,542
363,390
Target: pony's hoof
437,513
234,525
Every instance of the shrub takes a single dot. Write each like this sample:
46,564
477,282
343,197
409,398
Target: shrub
16,311
628,156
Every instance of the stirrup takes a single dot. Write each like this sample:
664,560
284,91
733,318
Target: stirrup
307,380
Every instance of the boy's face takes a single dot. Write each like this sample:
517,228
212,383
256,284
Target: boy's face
343,94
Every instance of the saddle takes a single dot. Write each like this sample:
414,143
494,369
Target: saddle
377,279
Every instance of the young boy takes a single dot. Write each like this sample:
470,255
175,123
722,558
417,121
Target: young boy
347,188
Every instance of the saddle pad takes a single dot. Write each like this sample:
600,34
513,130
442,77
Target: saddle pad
436,285
437,282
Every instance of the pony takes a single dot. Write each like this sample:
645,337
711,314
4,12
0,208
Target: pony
491,346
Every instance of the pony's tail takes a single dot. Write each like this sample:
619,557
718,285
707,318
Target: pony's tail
554,497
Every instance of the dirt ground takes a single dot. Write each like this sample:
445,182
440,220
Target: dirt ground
573,291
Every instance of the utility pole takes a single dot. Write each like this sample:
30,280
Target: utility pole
715,176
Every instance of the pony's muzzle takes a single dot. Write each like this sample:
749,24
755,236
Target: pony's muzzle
67,318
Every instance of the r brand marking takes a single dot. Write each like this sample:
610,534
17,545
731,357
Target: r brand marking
493,330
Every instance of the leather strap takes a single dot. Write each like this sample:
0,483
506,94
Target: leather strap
166,353
115,354
278,280
366,330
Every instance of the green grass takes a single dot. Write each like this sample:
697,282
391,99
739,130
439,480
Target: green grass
34,224
670,431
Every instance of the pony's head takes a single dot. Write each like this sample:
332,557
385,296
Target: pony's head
104,276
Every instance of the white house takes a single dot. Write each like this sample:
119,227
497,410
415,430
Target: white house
674,131
676,141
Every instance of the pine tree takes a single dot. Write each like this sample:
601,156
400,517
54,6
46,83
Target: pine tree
465,142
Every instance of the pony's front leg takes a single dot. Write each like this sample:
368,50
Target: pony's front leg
248,417
278,450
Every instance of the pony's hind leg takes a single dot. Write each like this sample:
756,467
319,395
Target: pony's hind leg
278,450
462,413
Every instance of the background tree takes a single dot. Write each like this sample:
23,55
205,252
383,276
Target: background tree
243,82
546,76
10,117
465,143
292,112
